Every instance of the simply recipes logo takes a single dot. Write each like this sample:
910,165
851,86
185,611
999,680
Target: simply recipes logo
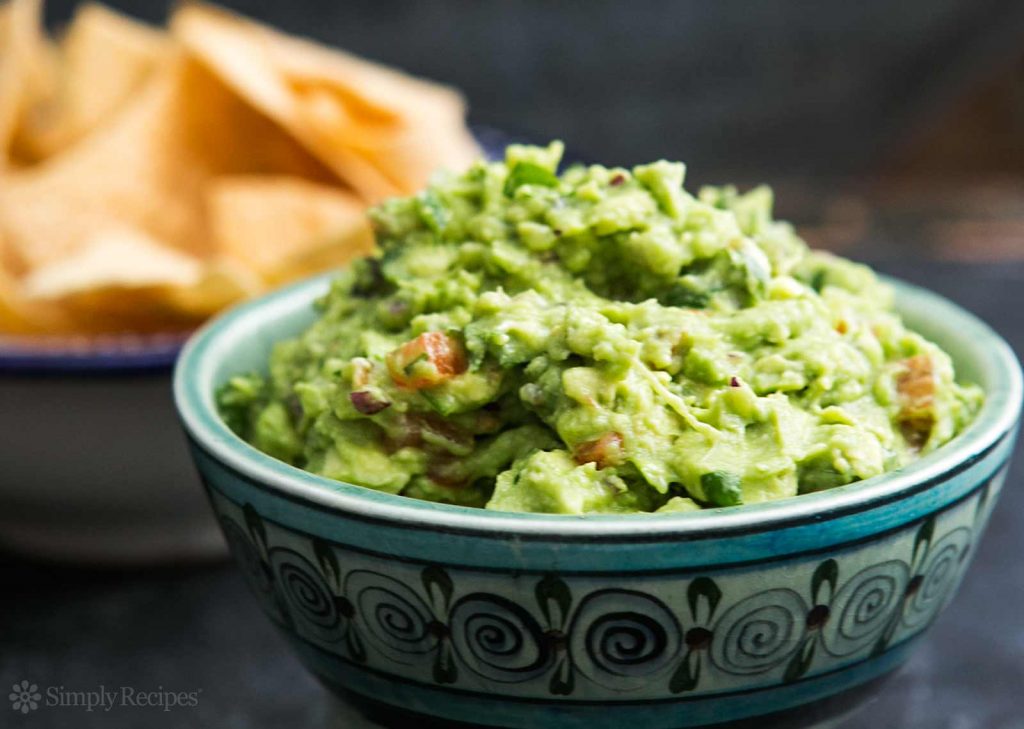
26,697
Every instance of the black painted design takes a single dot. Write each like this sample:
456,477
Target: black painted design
621,638
760,632
498,639
255,568
555,601
392,615
702,597
438,587
311,602
862,607
824,583
940,572
558,636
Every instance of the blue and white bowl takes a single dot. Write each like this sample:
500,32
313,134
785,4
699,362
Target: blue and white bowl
528,620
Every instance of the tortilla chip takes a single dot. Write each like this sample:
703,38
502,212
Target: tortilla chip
149,180
162,308
381,131
106,57
269,223
223,283
12,73
10,80
113,257
146,171
18,316
12,317
26,69
123,279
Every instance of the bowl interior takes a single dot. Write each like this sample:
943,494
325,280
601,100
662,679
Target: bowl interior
241,340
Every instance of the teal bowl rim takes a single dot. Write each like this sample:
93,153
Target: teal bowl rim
988,352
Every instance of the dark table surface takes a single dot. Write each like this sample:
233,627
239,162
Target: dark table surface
195,630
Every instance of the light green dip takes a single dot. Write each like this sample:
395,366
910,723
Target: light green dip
599,341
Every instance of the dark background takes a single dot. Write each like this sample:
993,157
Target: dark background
738,89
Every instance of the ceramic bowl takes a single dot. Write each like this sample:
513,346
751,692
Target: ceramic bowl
93,467
604,621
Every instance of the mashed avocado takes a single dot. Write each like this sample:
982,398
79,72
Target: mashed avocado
598,341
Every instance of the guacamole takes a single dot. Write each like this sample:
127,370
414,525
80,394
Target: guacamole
598,341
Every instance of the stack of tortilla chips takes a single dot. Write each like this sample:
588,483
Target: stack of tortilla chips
150,178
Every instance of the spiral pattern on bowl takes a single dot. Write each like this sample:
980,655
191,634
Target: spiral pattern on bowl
310,601
498,639
939,575
760,632
620,638
863,607
248,558
396,619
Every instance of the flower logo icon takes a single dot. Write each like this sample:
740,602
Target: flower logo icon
24,697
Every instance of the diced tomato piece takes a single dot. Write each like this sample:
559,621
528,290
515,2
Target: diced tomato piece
427,360
604,451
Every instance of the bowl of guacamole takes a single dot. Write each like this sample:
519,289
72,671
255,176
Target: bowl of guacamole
577,447
598,341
